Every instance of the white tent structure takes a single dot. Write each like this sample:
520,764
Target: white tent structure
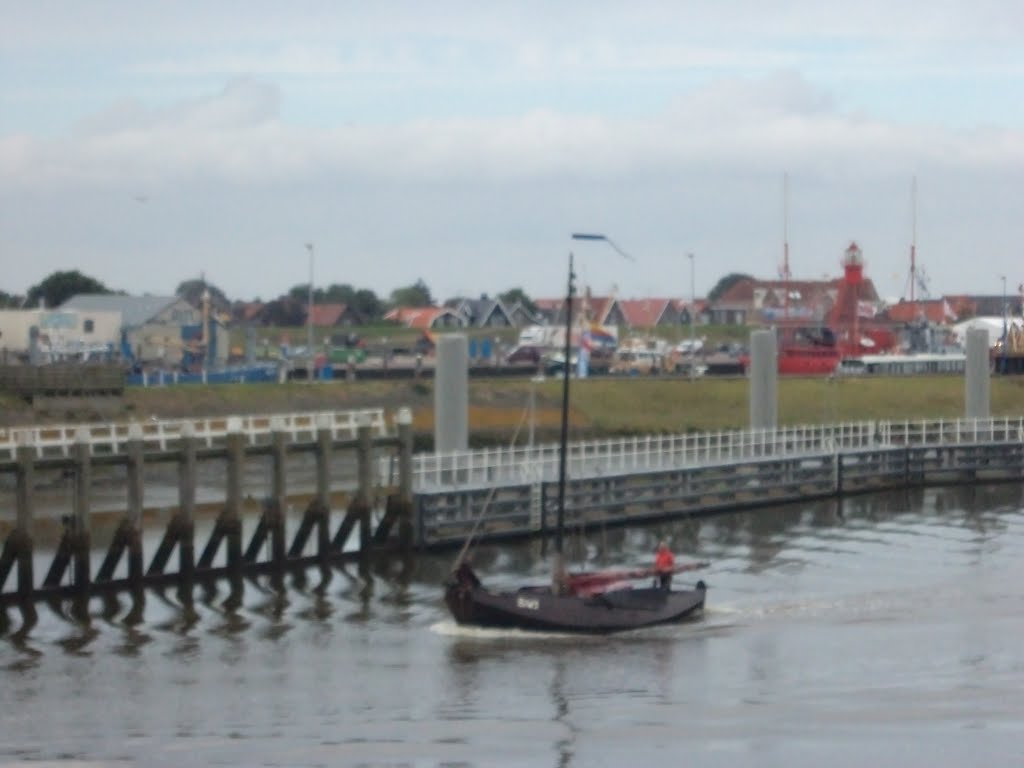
994,326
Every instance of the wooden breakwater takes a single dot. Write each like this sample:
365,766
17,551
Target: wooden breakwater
322,536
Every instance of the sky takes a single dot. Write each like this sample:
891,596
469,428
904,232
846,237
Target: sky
462,143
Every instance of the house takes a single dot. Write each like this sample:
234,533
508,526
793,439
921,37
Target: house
426,318
335,315
735,306
483,313
966,306
684,310
650,313
750,301
933,311
521,315
160,329
602,310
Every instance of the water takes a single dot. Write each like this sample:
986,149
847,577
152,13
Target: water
880,632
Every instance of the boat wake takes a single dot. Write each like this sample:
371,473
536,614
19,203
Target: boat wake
450,628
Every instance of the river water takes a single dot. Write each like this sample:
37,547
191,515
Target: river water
886,630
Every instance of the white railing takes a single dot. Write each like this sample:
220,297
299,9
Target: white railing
491,466
111,437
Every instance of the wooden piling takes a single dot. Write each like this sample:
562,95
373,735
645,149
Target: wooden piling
405,522
323,485
365,490
81,539
22,545
318,510
185,518
228,527
358,512
272,521
180,529
398,508
128,536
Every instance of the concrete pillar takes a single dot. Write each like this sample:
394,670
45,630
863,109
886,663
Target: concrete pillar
81,539
978,375
451,394
764,376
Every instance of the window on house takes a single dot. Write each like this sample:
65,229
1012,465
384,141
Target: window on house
87,326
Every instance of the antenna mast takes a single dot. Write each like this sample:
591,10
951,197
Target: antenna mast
785,242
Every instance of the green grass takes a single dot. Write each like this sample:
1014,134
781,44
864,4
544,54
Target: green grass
600,406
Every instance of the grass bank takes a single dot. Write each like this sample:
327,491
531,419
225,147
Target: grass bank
600,406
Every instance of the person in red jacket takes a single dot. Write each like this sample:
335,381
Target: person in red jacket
664,564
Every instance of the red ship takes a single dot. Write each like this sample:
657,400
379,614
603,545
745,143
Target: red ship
847,331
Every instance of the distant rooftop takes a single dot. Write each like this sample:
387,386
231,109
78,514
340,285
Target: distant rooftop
135,310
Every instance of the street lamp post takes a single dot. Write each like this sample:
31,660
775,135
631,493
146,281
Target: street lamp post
693,307
309,316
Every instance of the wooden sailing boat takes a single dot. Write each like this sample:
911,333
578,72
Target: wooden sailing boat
595,602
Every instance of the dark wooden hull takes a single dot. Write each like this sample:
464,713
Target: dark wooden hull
540,609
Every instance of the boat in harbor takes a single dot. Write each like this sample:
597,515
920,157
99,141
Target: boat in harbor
592,602
847,330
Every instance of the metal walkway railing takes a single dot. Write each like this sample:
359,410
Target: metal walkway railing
111,437
501,466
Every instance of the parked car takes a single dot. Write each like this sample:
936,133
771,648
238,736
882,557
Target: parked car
525,353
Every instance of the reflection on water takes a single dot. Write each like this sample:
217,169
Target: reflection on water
834,634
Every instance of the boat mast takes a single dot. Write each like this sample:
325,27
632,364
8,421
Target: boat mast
913,244
785,243
564,440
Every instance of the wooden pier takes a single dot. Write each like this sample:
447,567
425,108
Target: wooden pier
322,537
400,502
509,494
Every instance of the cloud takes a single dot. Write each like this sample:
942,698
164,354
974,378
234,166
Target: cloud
238,133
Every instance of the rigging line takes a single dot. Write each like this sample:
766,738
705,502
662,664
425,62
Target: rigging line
487,501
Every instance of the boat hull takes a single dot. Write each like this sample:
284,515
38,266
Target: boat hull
540,609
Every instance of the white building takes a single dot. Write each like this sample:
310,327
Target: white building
60,334
163,330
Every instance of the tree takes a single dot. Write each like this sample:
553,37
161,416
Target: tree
192,292
61,286
416,295
725,283
366,303
517,295
285,311
9,300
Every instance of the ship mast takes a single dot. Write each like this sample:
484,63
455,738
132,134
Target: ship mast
785,244
913,242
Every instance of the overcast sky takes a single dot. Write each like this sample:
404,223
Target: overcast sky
146,143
